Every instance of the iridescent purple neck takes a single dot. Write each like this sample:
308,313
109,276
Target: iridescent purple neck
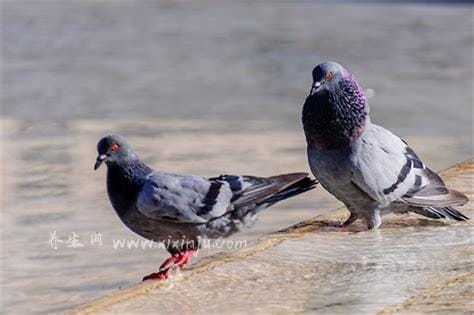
336,116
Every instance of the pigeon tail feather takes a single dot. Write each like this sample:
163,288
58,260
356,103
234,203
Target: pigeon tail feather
440,213
275,188
297,188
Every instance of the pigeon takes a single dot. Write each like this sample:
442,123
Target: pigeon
367,167
180,211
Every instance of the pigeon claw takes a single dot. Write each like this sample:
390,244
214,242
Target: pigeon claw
346,223
174,262
161,275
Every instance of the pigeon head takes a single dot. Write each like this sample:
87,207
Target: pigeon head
336,111
326,77
113,149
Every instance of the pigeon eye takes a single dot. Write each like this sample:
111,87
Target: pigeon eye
329,76
114,147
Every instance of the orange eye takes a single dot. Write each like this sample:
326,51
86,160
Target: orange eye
114,147
329,76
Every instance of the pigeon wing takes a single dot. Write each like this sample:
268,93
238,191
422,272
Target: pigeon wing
186,199
388,170
435,194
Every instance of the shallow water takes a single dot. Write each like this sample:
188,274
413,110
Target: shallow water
199,89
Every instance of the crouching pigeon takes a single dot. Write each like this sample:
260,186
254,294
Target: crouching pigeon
368,168
178,210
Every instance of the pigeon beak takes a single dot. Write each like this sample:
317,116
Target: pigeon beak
315,87
101,158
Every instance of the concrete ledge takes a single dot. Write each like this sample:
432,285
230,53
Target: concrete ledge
411,264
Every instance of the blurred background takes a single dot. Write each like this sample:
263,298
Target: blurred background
205,88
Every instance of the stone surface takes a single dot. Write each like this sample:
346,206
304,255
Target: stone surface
410,265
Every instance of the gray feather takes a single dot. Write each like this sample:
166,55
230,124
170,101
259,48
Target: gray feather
378,172
182,198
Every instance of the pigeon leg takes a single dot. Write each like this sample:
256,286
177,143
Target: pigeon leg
374,220
349,220
185,257
165,267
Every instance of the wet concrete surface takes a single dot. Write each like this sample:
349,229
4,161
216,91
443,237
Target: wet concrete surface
410,265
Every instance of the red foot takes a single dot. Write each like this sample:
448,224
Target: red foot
157,275
174,262
184,258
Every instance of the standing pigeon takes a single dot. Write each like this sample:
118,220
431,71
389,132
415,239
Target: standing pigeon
181,210
368,168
